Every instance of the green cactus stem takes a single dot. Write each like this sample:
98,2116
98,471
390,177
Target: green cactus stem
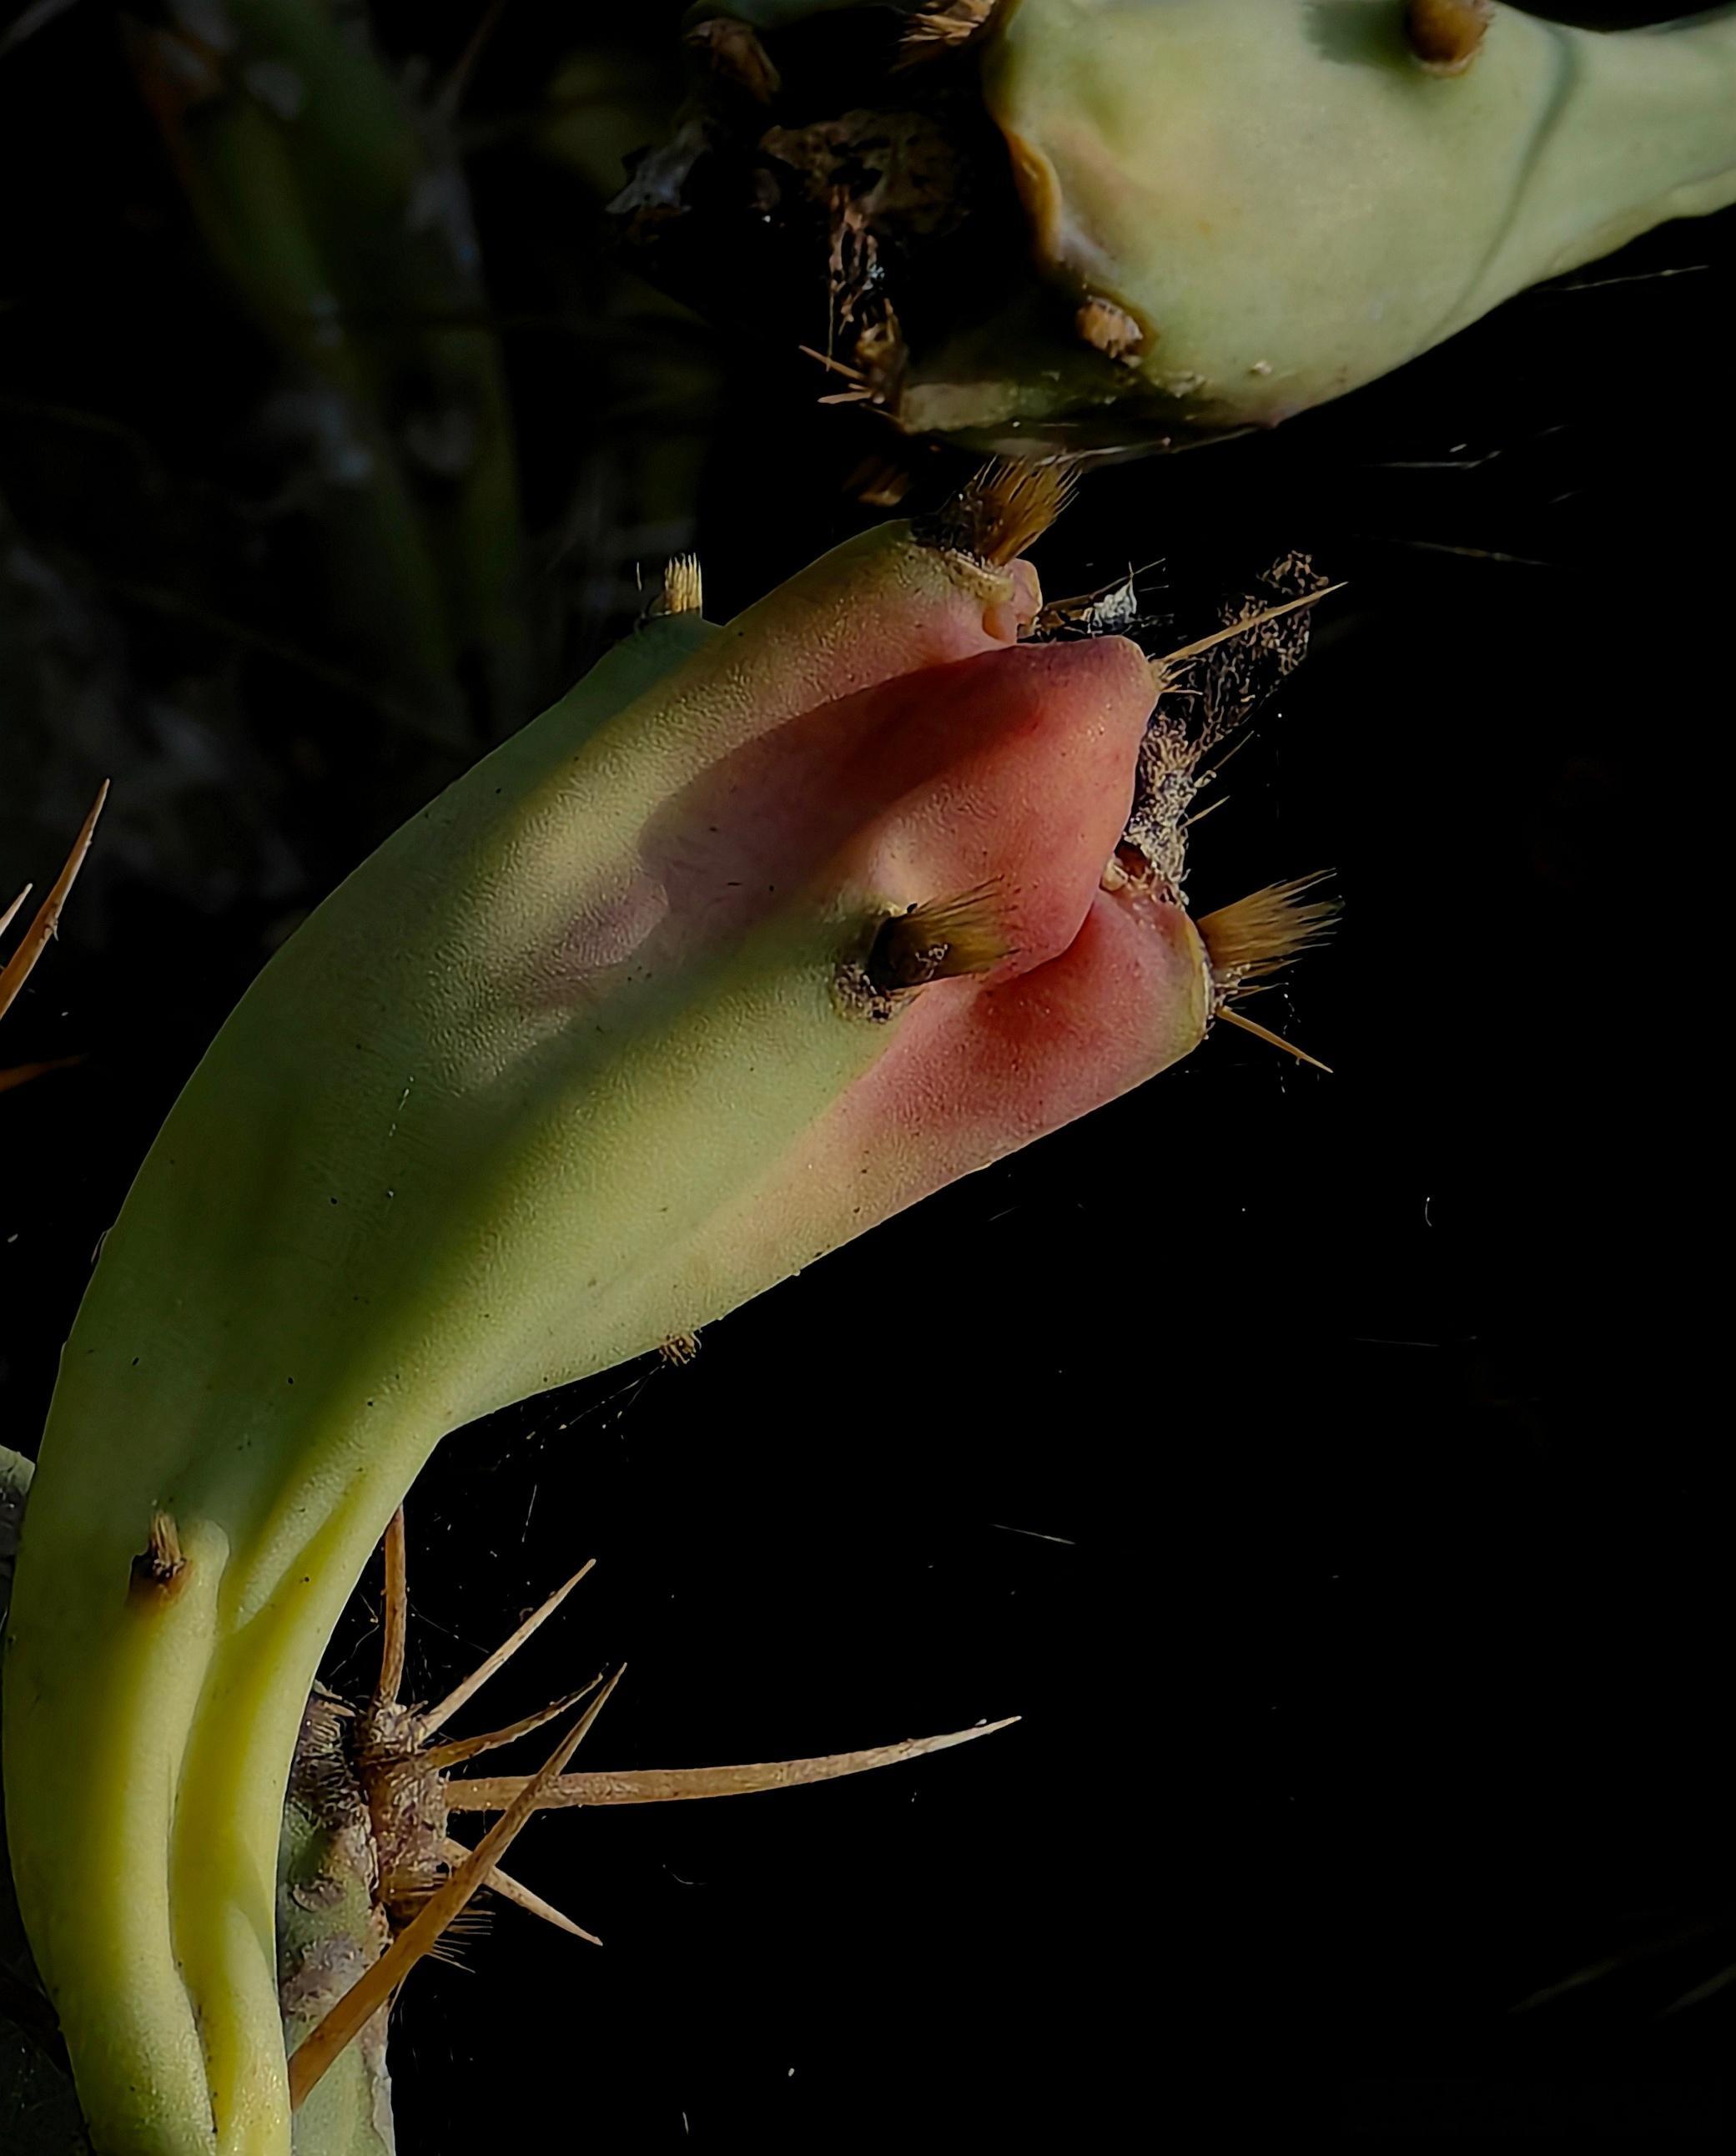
1117,223
331,1929
339,216
761,934
39,2112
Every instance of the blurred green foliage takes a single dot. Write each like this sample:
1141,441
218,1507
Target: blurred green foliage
273,553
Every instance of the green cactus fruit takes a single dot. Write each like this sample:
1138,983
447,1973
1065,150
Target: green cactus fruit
759,934
335,211
1112,223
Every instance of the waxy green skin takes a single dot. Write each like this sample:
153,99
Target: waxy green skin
1287,203
1291,206
546,1080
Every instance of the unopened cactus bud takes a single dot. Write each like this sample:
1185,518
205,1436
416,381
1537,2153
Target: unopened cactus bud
761,934
1117,222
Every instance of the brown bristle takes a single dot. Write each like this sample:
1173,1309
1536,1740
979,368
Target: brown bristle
1447,35
464,1929
1002,512
939,941
158,1568
475,1922
682,590
1260,935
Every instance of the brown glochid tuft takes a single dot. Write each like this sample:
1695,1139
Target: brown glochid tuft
1002,512
1256,937
939,941
684,590
160,1567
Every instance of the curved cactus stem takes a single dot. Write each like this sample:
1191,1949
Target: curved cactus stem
39,2112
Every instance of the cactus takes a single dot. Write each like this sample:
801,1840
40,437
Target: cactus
38,2115
335,212
1122,223
759,935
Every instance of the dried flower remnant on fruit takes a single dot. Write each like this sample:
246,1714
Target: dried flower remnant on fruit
877,182
1207,690
1447,35
1111,610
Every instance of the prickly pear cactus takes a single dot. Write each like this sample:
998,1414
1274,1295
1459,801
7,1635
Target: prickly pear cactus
331,1928
40,2115
763,932
39,2112
1122,223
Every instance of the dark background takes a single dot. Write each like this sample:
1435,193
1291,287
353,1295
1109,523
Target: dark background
1324,1468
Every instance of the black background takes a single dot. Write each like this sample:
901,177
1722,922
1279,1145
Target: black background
1325,1469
